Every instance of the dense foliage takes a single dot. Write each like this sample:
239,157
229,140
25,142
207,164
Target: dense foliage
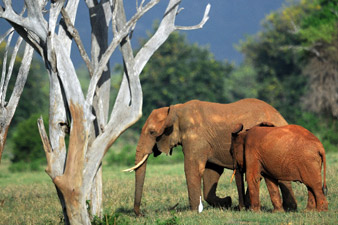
27,146
295,60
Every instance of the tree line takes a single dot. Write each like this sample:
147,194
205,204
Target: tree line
291,64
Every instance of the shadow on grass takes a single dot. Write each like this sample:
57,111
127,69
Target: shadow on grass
125,211
182,208
263,209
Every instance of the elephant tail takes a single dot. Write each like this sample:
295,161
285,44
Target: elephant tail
322,154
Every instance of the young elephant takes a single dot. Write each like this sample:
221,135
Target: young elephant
289,153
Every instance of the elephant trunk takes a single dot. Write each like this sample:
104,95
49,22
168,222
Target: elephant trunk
140,173
139,182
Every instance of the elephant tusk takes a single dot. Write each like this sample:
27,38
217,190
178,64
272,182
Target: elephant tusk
138,164
232,177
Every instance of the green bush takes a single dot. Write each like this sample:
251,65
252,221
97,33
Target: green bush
325,129
22,166
27,150
125,157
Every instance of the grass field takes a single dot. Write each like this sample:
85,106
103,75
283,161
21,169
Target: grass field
30,198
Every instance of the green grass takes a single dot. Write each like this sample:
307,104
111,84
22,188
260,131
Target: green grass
30,198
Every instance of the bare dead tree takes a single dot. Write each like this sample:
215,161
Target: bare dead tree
76,169
7,109
322,71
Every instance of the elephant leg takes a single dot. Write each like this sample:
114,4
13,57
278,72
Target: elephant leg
289,199
211,176
247,198
253,179
311,202
320,199
240,189
193,173
321,202
313,182
272,185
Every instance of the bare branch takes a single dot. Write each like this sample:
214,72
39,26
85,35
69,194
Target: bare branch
4,68
297,48
166,27
115,7
71,9
75,34
113,45
11,66
2,37
53,17
7,111
46,146
21,78
201,24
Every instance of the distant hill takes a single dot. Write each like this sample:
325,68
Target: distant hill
230,21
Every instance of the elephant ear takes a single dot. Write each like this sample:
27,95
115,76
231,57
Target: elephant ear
169,121
156,121
236,129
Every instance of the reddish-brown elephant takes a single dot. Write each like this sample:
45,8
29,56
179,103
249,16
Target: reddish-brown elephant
289,153
203,129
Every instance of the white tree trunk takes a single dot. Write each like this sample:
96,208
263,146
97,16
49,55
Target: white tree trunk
77,172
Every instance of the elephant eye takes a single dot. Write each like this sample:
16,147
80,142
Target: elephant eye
152,132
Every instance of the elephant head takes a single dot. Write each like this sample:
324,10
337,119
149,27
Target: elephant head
159,134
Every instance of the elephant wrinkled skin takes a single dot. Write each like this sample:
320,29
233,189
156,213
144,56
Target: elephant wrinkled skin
203,129
289,153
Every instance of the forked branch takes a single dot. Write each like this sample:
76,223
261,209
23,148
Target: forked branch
201,24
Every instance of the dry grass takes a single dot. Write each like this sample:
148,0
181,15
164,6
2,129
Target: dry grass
30,198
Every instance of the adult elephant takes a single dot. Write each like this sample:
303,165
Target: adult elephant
204,131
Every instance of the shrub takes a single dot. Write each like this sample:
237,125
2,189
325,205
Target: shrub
22,166
28,153
125,157
325,129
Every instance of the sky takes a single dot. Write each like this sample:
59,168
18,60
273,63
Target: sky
230,21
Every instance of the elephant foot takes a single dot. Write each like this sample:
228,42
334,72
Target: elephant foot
221,202
309,209
278,210
255,209
290,206
289,199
